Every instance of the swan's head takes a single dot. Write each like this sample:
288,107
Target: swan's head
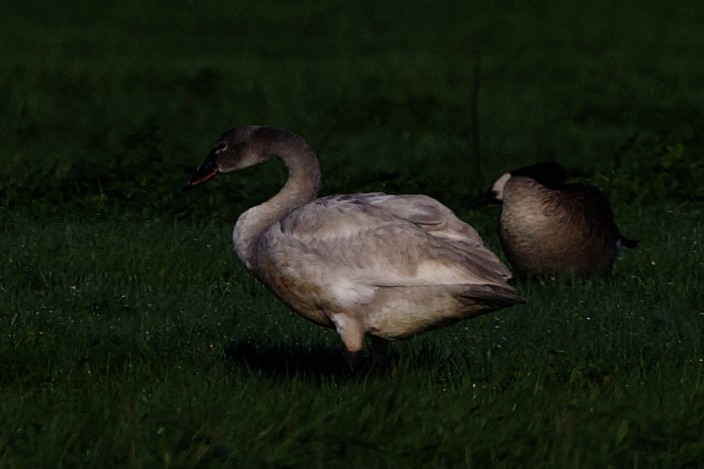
236,149
548,174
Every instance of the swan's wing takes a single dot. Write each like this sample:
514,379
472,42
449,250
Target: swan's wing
351,239
423,211
439,221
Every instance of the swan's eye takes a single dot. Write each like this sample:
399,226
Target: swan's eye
221,147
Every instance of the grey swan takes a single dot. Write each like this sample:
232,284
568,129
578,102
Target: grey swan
378,265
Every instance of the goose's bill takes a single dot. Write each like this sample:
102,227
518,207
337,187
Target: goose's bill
205,172
489,197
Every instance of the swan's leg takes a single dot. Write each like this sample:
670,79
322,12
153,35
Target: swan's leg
380,348
352,335
354,360
381,356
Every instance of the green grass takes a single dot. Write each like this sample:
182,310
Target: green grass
113,351
131,336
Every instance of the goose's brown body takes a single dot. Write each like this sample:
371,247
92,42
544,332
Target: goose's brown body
555,228
366,264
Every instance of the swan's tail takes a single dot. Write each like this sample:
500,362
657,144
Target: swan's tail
492,296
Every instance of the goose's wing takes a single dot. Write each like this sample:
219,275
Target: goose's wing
595,209
349,237
598,211
592,200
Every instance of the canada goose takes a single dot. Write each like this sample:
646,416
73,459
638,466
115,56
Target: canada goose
550,227
365,264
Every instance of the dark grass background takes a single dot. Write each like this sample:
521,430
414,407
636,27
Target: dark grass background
131,336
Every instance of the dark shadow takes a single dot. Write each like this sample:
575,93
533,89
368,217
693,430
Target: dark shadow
314,363
285,361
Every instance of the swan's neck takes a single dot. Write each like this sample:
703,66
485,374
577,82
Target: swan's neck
301,187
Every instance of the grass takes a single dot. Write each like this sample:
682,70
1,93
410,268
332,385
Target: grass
116,352
131,336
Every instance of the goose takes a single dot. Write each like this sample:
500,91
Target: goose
384,266
550,227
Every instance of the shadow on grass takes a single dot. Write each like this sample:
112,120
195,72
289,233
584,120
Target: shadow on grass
286,362
324,364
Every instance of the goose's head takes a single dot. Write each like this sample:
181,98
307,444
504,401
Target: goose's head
236,149
548,174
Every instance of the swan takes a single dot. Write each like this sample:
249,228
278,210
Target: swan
550,227
377,265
